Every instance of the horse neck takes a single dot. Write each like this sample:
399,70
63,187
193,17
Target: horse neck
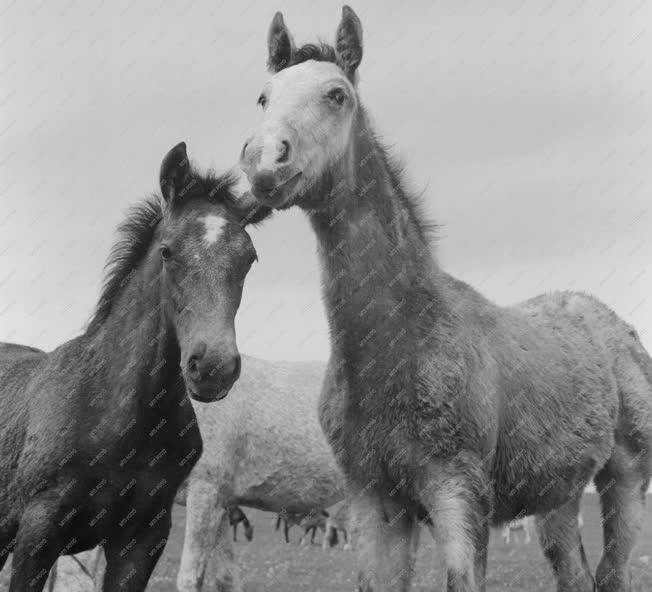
379,275
136,345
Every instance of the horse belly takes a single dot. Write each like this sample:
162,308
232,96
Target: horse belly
533,475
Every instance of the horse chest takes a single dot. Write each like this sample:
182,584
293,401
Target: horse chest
367,437
119,485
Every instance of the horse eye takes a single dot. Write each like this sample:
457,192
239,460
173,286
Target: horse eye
262,101
166,253
337,95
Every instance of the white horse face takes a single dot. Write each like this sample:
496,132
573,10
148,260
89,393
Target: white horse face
308,111
309,107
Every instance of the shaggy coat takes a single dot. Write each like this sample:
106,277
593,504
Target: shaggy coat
437,401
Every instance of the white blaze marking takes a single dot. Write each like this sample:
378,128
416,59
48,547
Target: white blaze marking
297,112
214,226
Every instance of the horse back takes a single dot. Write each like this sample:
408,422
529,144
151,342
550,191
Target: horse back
529,390
18,365
562,410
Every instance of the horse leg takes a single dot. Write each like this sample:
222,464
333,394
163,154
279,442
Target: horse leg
39,543
286,531
7,540
622,490
52,580
347,546
202,505
227,569
385,547
560,539
325,542
132,556
459,510
235,532
99,569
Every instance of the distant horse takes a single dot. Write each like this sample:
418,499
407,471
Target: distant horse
288,520
96,436
520,524
309,521
237,516
435,398
524,525
265,450
338,522
314,521
341,521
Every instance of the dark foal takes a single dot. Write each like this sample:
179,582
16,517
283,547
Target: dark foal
237,516
97,435
437,401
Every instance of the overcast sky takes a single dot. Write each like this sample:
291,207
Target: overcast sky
526,125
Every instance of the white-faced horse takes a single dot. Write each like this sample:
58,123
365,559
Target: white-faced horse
437,400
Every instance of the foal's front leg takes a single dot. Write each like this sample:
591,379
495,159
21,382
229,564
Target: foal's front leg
39,542
459,509
132,556
386,548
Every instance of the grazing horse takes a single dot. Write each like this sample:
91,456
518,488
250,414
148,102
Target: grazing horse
520,524
338,522
315,518
436,399
313,521
236,516
267,451
97,435
288,520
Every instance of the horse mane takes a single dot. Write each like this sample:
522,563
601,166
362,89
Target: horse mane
137,230
324,52
320,52
413,203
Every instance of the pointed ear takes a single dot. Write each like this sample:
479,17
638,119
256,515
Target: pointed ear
348,42
279,44
175,172
242,203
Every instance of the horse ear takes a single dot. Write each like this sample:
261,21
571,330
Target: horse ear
279,44
175,172
348,42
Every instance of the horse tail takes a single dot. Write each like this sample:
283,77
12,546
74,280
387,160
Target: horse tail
636,398
642,359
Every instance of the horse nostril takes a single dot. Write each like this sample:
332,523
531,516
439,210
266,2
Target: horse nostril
284,155
244,150
195,358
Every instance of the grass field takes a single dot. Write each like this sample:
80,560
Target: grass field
274,566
